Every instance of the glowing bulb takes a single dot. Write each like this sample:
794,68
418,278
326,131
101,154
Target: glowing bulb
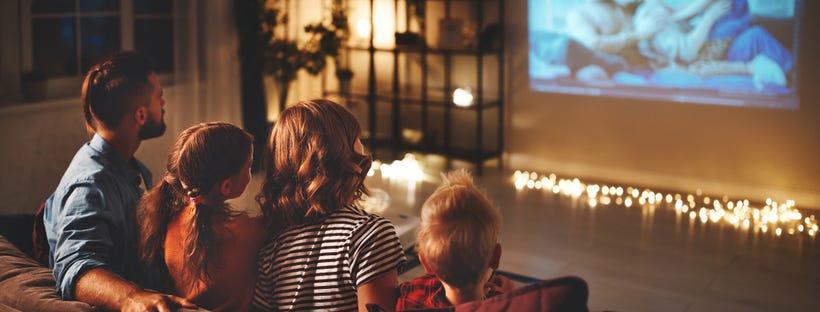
668,198
363,28
628,202
463,97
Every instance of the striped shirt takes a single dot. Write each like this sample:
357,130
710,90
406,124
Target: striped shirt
319,265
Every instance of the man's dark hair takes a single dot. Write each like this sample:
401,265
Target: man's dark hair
113,87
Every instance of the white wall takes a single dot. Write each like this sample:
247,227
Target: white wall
38,141
741,152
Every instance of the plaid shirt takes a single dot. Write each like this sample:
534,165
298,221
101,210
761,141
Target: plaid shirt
425,292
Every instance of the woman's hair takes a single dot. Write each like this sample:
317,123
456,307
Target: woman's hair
203,156
458,231
311,168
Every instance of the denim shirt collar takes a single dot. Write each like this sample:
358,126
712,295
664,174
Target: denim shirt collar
133,169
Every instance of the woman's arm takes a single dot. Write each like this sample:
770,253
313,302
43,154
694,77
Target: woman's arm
381,290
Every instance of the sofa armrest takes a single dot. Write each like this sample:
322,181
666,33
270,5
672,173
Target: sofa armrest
27,286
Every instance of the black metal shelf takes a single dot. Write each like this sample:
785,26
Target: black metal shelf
435,103
415,100
430,50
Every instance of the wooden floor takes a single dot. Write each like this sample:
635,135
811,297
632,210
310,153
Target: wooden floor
635,259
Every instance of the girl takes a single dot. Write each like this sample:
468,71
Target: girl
325,252
207,250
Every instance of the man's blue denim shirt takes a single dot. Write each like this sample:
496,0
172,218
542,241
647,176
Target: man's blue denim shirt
90,219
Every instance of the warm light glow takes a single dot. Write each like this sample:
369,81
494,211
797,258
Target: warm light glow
408,169
363,28
779,216
463,97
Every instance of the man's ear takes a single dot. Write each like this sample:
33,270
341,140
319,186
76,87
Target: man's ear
141,115
424,264
496,258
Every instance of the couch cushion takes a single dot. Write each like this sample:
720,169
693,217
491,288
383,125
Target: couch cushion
28,286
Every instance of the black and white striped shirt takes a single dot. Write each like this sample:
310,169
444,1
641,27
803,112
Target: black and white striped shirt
319,265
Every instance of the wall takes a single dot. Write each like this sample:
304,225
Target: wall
38,141
741,152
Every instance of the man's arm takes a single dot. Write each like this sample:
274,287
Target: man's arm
84,242
102,288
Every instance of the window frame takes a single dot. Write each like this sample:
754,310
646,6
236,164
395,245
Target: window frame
18,44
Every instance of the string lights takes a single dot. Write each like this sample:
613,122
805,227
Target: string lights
781,218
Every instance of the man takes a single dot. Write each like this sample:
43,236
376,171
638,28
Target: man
89,219
606,26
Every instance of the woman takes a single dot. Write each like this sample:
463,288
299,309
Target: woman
325,252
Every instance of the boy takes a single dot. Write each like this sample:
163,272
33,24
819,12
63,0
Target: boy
458,246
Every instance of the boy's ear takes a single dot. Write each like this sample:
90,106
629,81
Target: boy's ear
424,264
496,258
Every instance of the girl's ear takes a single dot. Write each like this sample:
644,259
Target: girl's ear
225,188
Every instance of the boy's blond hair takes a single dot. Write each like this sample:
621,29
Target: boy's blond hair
459,231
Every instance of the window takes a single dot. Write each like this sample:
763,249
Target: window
63,38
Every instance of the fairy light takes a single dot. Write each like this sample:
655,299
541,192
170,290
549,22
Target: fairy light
780,217
407,169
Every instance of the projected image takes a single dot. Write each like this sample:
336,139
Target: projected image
731,52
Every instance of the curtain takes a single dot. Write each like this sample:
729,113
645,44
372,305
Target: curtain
206,74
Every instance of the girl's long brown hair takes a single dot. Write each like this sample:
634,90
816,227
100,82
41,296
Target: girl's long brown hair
203,156
311,168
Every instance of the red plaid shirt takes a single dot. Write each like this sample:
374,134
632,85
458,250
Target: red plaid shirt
425,292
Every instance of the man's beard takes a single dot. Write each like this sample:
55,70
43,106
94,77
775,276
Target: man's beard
152,129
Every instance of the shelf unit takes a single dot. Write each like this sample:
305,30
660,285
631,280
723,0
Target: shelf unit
416,94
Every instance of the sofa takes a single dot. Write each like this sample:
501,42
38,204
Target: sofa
25,285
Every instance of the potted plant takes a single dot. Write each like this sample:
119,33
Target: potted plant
34,84
285,56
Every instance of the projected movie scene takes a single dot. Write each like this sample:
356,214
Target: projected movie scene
727,52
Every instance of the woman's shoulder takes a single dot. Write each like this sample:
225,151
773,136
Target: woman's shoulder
246,227
354,216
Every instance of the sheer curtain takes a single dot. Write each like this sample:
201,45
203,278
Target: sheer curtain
206,74
205,79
